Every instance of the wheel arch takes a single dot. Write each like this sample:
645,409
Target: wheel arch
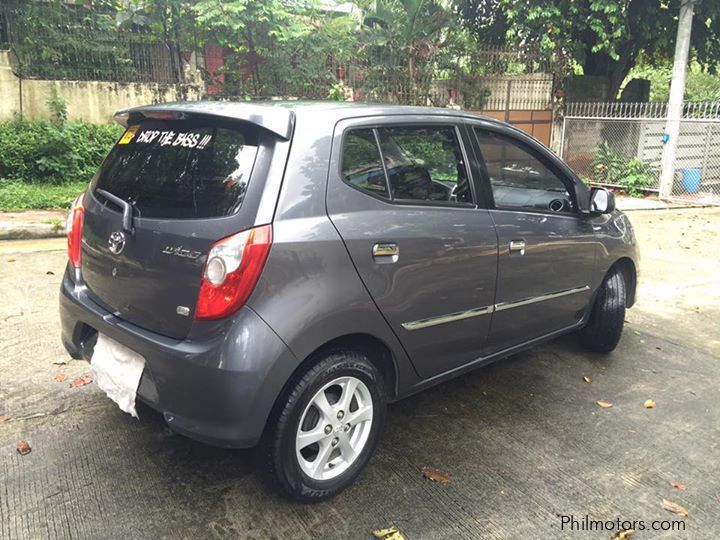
629,271
376,350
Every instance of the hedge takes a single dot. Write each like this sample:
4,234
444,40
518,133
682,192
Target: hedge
41,152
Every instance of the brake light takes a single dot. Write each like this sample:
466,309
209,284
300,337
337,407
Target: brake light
73,229
233,268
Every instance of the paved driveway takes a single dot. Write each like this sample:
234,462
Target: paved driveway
522,440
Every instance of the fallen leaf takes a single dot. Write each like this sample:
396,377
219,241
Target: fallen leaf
586,379
658,348
23,447
435,475
626,534
60,377
391,533
626,321
649,404
81,381
49,273
3,419
11,260
604,404
678,485
673,507
60,362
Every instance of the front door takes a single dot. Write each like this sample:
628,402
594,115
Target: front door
401,197
546,248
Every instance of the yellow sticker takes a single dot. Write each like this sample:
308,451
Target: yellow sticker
129,134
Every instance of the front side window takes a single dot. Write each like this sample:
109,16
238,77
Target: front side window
519,179
425,164
181,169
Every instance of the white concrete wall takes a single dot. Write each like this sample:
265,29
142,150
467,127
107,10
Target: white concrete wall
92,101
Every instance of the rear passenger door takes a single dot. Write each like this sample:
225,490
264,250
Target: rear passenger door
546,246
401,195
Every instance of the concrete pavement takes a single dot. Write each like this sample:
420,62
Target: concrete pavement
522,440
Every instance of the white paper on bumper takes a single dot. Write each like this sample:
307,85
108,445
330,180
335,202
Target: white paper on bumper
117,370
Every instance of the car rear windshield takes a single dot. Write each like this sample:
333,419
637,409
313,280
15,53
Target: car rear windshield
181,169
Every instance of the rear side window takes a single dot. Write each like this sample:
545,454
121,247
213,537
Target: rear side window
180,169
362,166
421,163
425,163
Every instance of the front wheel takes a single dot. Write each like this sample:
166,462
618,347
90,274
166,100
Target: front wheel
607,317
328,427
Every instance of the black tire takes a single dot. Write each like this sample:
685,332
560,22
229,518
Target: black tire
607,317
281,453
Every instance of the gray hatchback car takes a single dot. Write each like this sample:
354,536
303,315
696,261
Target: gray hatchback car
278,273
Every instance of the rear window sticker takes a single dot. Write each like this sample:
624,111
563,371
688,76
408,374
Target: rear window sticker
168,138
129,134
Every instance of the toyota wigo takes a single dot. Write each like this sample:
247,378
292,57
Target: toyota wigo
278,273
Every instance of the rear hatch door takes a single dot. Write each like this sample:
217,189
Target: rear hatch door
189,184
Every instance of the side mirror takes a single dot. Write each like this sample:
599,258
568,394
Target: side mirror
601,201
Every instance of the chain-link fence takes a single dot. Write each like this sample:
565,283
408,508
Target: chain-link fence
621,145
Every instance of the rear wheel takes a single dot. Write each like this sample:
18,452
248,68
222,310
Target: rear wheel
328,427
607,317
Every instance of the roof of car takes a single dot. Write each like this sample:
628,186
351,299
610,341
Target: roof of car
279,116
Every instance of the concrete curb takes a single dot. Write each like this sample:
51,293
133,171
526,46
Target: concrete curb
29,231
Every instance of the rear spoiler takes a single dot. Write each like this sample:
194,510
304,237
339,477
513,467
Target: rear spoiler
276,119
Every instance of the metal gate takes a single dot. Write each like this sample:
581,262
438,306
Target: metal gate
523,101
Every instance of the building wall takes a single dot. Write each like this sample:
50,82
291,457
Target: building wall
92,101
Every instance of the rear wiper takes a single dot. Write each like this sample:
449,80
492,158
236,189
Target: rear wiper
127,219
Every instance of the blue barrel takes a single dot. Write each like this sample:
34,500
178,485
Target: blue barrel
691,180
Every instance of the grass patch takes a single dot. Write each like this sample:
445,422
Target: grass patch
17,195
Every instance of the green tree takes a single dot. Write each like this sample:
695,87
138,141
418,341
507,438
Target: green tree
603,37
700,85
276,44
418,26
402,42
170,21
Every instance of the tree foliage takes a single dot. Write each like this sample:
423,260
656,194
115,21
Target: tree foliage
52,39
603,37
271,42
699,84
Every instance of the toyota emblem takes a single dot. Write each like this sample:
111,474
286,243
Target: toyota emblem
116,243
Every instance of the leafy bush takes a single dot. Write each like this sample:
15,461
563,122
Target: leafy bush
38,151
611,167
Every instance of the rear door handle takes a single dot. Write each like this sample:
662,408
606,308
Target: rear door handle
517,247
386,252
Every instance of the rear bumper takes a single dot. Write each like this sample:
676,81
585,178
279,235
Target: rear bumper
218,385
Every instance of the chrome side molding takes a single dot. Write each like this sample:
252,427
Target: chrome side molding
533,299
476,312
450,317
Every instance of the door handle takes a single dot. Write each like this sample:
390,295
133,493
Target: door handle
517,247
385,252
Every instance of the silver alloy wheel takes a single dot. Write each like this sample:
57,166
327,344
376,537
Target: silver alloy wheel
334,428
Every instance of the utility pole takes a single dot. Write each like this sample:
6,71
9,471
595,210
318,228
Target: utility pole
677,95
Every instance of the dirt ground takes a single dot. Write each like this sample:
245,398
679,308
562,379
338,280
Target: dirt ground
523,440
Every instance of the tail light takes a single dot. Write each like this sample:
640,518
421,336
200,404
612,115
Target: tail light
232,270
73,229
